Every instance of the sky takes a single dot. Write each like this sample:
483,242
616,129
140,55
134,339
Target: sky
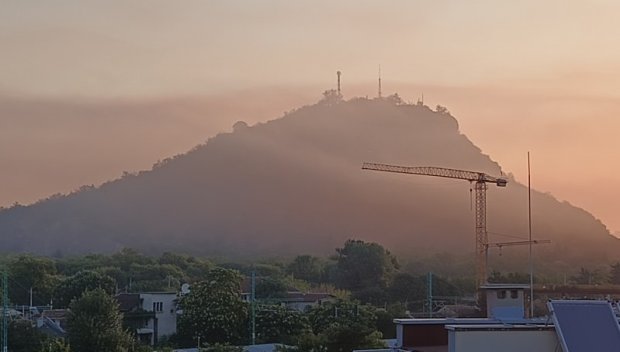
90,89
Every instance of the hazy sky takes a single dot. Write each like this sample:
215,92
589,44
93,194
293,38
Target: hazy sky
538,75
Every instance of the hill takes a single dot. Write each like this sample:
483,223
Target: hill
295,185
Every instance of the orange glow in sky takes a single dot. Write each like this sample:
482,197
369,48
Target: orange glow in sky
538,76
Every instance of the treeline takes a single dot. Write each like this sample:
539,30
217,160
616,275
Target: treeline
369,288
359,270
367,284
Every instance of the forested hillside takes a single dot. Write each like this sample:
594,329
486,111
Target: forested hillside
295,184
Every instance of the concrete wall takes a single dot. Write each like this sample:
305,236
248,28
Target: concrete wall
507,306
166,312
503,340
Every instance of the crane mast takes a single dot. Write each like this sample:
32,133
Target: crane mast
480,179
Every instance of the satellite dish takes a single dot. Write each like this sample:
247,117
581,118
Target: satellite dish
185,288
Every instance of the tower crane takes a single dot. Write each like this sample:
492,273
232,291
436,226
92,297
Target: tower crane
480,179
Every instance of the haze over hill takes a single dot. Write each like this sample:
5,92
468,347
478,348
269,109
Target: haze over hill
295,185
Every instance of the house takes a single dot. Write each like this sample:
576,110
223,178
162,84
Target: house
506,311
53,322
506,300
572,325
304,301
57,316
292,299
151,315
268,347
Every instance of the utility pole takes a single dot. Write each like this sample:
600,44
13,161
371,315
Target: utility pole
5,311
253,311
529,221
430,294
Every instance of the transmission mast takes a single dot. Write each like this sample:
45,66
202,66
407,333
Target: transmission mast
379,93
480,179
338,73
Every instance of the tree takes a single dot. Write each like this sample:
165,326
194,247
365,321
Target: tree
361,265
154,277
194,269
405,288
95,324
307,267
56,345
588,277
395,99
73,286
442,109
213,310
218,347
29,272
331,97
279,324
345,338
269,287
614,274
514,278
127,256
346,326
385,319
307,342
24,337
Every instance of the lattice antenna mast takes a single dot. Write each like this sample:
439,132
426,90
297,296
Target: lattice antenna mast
481,180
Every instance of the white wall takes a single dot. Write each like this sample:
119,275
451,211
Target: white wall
167,317
503,340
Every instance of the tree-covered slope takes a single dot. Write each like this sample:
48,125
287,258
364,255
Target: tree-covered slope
295,185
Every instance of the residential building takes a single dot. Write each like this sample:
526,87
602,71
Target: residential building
152,315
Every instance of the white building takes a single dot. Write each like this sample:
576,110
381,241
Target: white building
152,314
578,325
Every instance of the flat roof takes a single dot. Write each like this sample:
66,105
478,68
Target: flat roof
504,286
443,321
470,321
492,327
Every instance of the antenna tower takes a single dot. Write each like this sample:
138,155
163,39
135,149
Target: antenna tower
338,73
379,81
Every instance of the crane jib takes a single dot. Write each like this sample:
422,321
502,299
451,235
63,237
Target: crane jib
471,176
480,179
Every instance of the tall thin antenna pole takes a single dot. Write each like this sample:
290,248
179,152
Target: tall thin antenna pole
253,307
529,220
5,311
338,73
379,93
430,295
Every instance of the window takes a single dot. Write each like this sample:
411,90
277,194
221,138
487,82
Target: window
514,294
501,294
158,306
